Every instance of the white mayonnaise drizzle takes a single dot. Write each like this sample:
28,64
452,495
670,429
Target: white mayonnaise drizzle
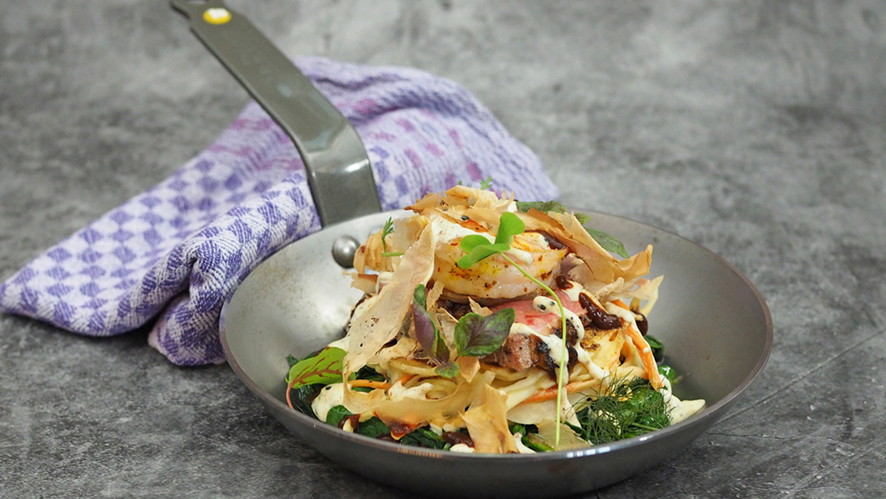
447,231
330,396
398,392
463,448
555,342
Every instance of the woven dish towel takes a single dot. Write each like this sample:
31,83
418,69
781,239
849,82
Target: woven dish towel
171,255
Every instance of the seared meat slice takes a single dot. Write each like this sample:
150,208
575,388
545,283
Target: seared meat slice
521,351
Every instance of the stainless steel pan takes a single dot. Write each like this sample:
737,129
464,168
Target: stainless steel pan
715,324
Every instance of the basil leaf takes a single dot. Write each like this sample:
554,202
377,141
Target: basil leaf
476,335
420,296
545,206
426,331
323,368
448,370
608,242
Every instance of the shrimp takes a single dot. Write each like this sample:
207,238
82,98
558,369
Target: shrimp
494,278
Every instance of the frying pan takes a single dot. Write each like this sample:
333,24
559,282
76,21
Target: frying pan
715,323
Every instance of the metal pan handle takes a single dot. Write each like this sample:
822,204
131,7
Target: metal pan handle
338,169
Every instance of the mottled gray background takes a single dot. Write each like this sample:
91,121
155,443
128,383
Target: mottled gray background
755,128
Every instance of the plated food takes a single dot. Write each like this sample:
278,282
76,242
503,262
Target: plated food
490,325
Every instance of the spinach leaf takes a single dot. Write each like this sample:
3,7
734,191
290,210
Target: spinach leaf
373,427
302,396
424,437
336,414
656,346
668,372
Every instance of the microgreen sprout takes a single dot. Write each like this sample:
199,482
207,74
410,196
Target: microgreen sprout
478,248
485,184
385,232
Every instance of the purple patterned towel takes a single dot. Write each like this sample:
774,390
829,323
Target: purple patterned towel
175,252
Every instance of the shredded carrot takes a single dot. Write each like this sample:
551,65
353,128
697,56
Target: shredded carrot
639,342
645,356
551,392
368,383
406,377
620,303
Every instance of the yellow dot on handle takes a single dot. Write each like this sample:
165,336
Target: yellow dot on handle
216,15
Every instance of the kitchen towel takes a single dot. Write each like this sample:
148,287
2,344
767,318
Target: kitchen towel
170,256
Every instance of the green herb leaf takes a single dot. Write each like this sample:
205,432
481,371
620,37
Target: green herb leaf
323,368
369,373
468,243
478,247
624,409
582,218
302,397
486,183
668,372
448,370
480,252
656,346
605,240
336,414
535,442
385,231
545,206
291,360
426,331
424,437
476,335
608,242
509,225
373,428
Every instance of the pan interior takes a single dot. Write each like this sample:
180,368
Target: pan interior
715,326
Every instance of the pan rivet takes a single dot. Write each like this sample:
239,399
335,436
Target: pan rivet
217,15
343,250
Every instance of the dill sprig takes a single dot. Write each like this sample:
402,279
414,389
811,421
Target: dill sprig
624,409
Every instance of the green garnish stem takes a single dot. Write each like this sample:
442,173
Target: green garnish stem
564,357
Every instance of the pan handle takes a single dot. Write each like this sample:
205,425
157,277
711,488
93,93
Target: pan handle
338,169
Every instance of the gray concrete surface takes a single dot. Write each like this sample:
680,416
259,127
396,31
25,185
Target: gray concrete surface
757,129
